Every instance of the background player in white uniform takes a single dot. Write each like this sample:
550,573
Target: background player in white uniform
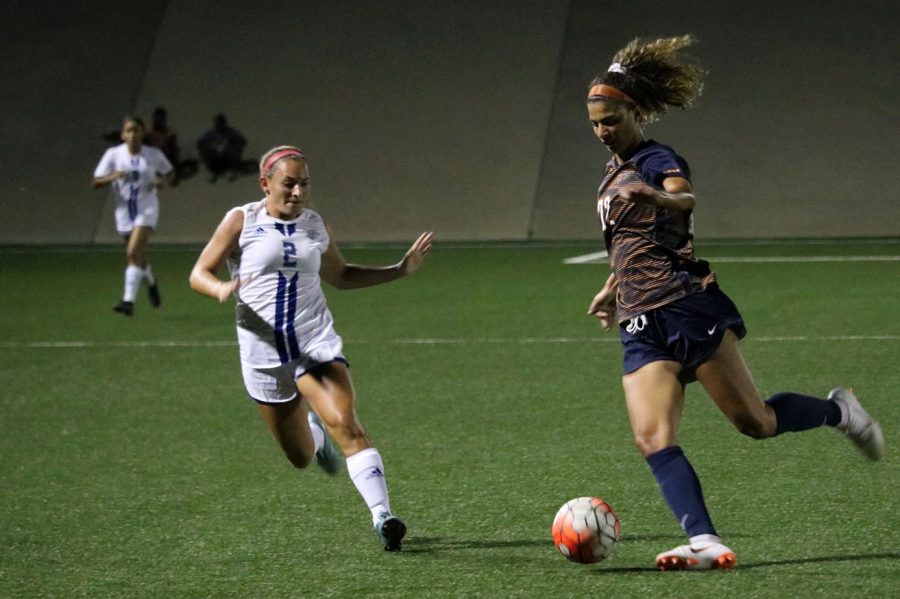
136,172
277,249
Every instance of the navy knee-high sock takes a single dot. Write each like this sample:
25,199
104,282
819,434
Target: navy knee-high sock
681,489
795,412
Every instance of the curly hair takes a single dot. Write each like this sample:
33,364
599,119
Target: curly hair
652,75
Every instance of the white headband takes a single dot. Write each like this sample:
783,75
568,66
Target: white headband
616,67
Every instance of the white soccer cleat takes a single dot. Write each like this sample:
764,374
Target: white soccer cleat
697,556
863,430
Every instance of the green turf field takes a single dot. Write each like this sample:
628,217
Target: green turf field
133,465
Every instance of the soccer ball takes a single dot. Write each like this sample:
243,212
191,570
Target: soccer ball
585,530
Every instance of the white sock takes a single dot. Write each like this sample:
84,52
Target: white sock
366,470
705,539
318,436
133,276
148,276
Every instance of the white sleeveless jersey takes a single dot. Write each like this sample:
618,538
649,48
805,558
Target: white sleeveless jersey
143,170
137,203
281,310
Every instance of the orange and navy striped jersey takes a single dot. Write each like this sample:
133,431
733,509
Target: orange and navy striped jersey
651,249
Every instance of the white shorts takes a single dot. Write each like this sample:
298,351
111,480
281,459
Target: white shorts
278,384
144,214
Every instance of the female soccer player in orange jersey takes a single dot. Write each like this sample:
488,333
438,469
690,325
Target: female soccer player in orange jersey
675,324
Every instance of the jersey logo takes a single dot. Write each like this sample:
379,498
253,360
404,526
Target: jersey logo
603,210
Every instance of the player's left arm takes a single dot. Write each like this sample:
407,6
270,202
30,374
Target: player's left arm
165,180
677,194
165,172
338,273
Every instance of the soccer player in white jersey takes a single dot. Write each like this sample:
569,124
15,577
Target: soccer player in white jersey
277,250
136,172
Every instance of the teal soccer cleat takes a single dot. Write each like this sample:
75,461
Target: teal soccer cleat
327,458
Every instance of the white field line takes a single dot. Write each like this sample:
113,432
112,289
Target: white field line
762,259
420,341
594,258
194,248
601,257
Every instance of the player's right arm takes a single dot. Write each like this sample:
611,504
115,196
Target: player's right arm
603,305
106,173
204,277
106,179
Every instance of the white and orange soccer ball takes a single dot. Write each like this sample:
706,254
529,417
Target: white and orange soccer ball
585,530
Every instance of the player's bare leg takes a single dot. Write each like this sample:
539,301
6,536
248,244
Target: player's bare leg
728,381
138,256
137,270
136,246
329,391
655,397
289,425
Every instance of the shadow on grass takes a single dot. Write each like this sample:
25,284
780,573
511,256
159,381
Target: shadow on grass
426,544
435,544
429,544
770,563
669,538
423,544
819,560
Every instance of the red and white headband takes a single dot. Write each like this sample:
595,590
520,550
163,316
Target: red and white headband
278,156
608,91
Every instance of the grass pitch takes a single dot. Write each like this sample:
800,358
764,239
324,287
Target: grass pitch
133,465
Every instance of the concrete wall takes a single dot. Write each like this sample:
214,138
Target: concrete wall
463,117
69,71
794,135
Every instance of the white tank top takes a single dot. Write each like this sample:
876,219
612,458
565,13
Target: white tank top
281,310
143,170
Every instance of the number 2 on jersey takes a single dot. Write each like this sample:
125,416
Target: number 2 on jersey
290,251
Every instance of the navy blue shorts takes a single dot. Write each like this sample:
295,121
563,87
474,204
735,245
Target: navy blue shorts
686,331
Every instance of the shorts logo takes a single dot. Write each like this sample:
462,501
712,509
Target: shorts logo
636,324
712,330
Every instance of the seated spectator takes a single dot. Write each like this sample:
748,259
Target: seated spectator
221,149
160,136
